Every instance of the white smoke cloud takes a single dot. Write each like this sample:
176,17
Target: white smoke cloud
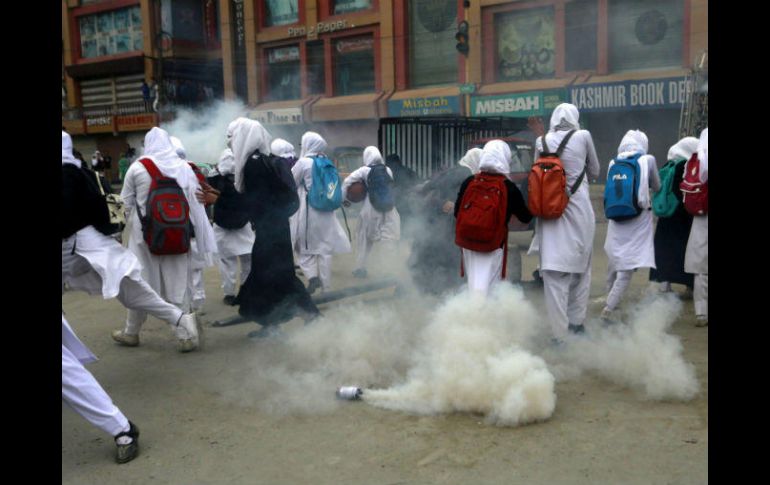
203,132
639,354
472,357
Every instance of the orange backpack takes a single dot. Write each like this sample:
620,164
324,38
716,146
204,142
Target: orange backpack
547,180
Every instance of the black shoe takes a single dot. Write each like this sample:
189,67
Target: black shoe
229,300
313,284
128,452
576,329
360,273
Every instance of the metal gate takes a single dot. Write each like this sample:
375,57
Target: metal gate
430,144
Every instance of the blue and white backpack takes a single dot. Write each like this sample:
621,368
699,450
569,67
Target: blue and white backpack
622,189
326,193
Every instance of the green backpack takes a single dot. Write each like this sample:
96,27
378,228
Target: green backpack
665,202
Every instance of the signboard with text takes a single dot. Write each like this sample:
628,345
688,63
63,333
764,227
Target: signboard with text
436,105
286,116
618,96
518,105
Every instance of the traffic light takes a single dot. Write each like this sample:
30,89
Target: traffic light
462,38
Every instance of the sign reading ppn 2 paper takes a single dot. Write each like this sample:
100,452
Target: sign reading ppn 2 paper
643,94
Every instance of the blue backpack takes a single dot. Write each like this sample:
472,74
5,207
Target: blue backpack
622,189
379,186
326,192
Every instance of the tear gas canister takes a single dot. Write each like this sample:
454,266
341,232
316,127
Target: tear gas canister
351,393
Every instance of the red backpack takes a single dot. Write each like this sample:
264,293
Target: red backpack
166,224
481,218
695,194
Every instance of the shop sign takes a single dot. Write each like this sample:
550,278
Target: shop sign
356,45
286,116
99,121
467,88
643,94
319,28
284,54
436,105
521,105
136,122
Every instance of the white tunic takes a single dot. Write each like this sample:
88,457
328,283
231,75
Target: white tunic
318,232
372,224
111,261
629,244
565,244
167,273
234,242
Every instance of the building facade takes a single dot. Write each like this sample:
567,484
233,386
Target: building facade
339,66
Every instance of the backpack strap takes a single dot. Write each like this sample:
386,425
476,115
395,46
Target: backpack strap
579,180
563,142
155,174
545,146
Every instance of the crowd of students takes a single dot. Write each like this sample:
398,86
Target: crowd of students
272,209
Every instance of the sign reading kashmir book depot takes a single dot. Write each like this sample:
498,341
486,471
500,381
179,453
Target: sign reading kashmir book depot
644,94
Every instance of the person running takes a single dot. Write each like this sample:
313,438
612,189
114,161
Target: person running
696,260
94,262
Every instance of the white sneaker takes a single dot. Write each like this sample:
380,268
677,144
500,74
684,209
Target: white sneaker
188,333
124,338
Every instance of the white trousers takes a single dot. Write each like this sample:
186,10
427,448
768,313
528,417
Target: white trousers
81,391
198,290
617,283
136,295
141,300
228,269
700,294
566,298
483,270
317,266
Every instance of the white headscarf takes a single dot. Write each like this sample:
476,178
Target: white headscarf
226,163
634,141
372,156
247,137
496,157
66,150
684,148
312,144
159,149
230,128
565,117
282,148
180,151
703,155
471,160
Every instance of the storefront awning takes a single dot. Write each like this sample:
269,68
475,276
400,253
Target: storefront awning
357,107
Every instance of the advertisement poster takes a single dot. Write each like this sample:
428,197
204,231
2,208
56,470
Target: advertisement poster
110,33
345,6
526,47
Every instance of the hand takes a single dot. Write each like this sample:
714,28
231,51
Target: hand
448,207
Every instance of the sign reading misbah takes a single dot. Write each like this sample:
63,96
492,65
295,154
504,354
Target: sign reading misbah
286,116
643,94
519,105
437,105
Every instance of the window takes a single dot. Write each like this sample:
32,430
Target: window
283,73
110,33
281,12
645,34
345,6
581,35
353,65
432,54
525,45
316,74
